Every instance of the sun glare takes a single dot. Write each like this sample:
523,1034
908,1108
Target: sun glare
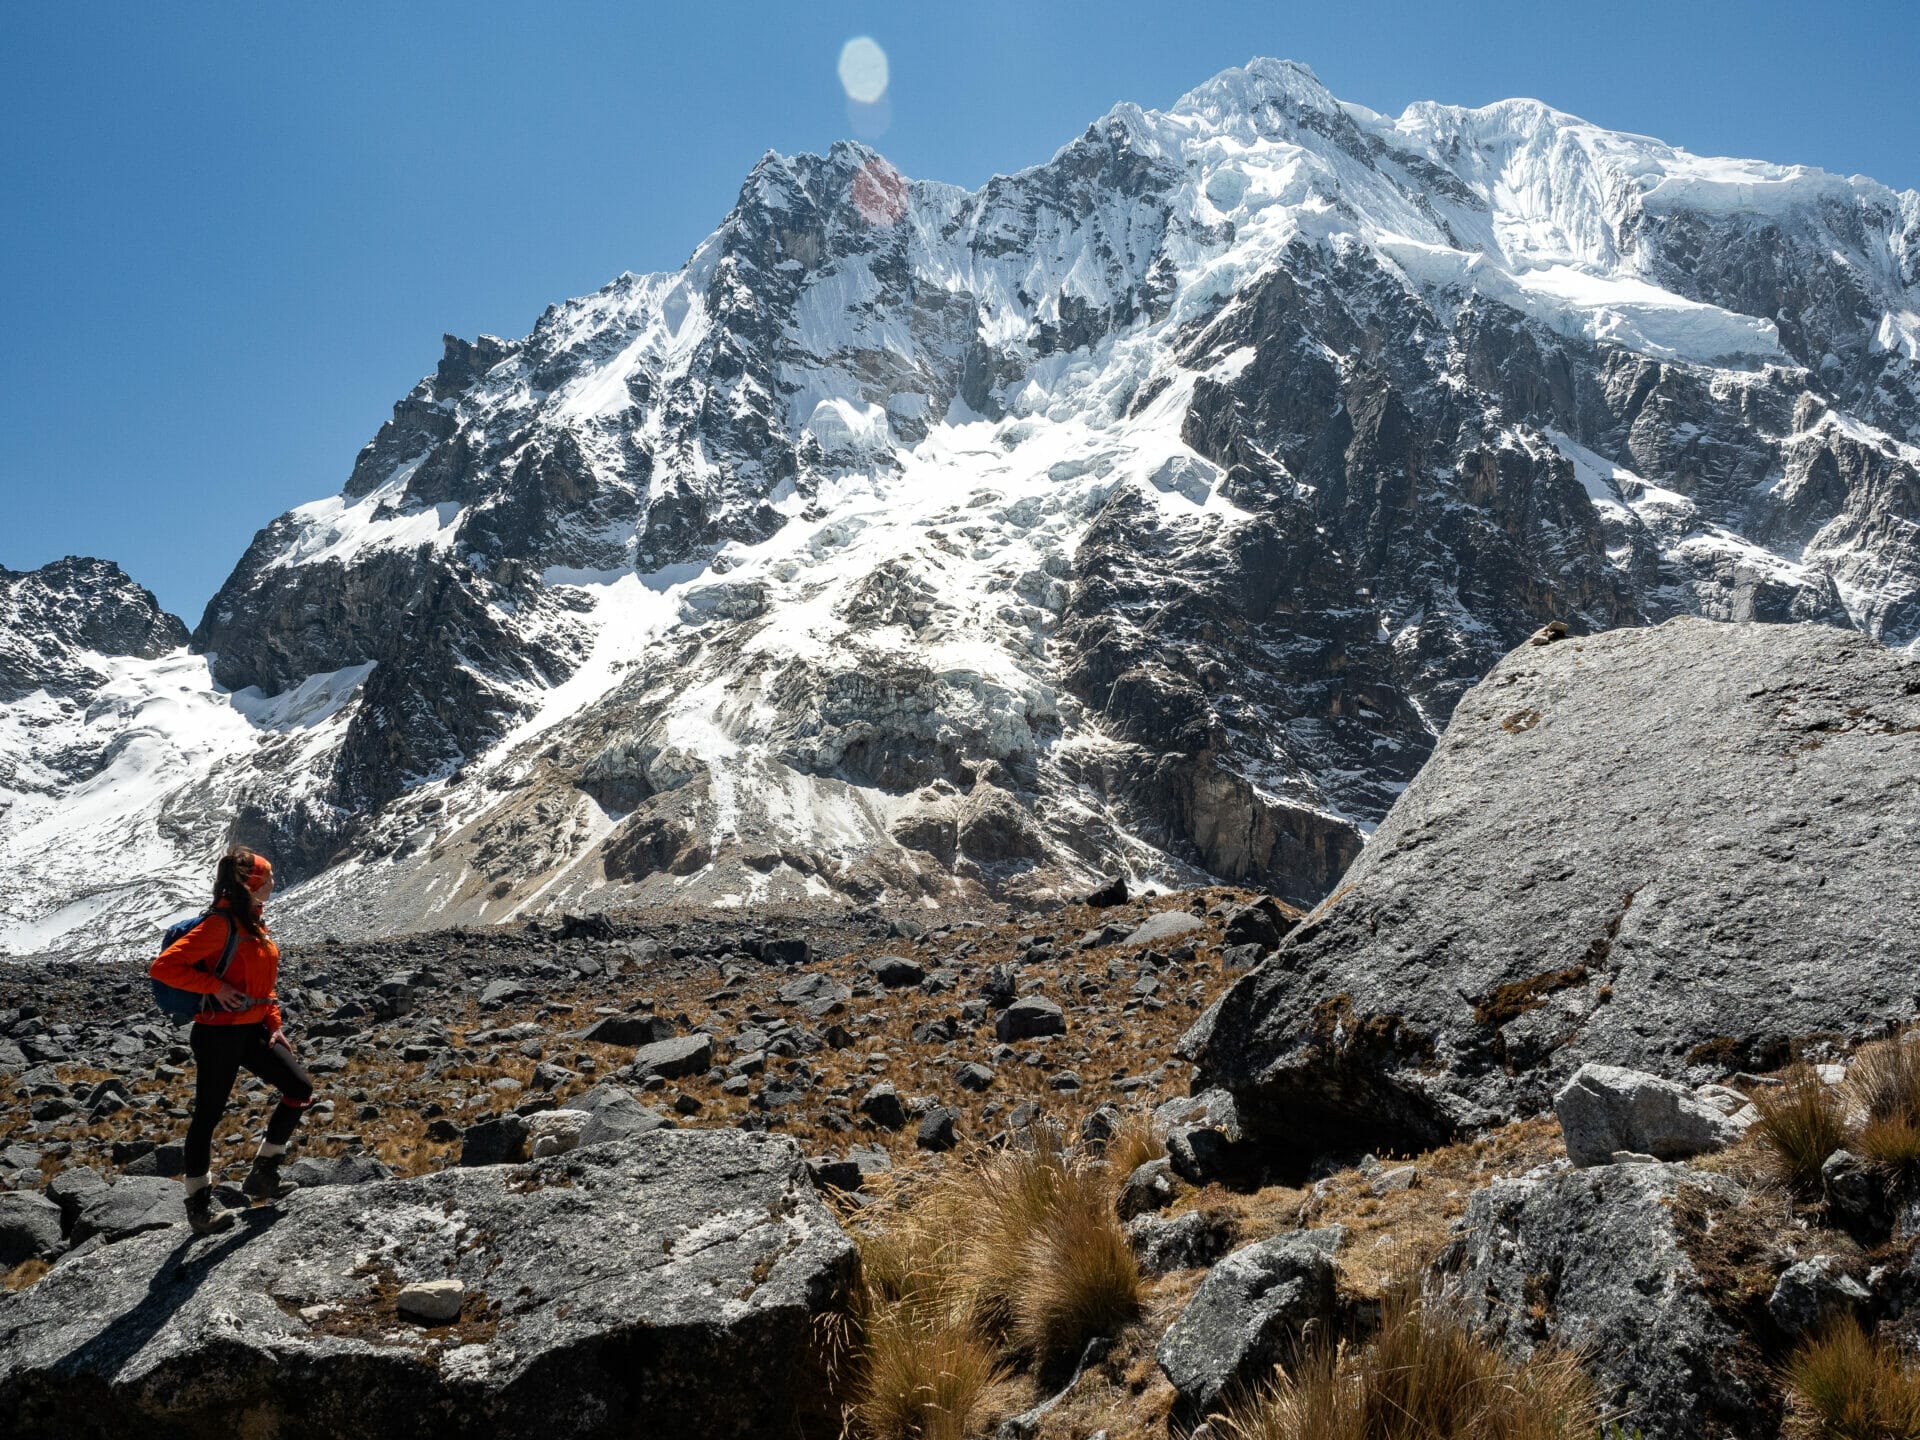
863,69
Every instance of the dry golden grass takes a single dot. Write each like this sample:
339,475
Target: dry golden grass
1009,1256
1885,1079
1082,1279
1033,1252
24,1274
1801,1123
1892,1143
923,1375
1133,1145
1848,1386
1422,1376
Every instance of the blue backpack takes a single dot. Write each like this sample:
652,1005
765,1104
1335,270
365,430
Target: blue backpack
180,1005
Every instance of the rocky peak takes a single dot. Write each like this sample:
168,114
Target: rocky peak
54,618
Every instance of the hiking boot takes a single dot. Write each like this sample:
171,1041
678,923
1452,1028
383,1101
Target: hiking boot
202,1214
263,1180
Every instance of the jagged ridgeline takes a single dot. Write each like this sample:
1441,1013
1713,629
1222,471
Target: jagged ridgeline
1150,508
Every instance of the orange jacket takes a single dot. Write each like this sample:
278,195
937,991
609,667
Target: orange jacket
188,964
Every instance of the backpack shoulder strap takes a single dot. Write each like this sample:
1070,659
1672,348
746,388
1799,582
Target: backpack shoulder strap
226,955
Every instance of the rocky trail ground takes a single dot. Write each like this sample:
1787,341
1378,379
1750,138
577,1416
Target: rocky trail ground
841,1030
875,1043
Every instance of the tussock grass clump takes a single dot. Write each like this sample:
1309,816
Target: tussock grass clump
1423,1376
1885,1081
1133,1145
923,1376
1853,1387
1081,1276
1801,1123
1037,1250
1893,1144
1016,1254
1885,1078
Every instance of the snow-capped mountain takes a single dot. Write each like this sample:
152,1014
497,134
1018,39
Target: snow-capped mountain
1147,509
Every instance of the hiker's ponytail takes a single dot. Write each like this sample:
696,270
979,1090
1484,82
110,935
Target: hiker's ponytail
230,885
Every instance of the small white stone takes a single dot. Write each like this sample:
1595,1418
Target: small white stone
434,1301
554,1132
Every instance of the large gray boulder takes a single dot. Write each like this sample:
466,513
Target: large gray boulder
1248,1314
670,1282
30,1228
670,1059
130,1206
614,1114
1614,1264
1660,848
1204,1138
1605,1109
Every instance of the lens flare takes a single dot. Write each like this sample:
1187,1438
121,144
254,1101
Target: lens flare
863,69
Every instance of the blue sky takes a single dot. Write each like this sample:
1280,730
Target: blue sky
231,236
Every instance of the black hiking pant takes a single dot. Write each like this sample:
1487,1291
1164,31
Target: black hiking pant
220,1053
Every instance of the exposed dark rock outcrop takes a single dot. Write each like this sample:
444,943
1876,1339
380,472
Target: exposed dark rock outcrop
672,1280
1663,848
1614,1263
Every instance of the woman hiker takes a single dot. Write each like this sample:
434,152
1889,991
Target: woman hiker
238,1028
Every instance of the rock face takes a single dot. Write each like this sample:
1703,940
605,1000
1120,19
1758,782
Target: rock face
58,622
926,543
1598,1261
1667,848
1251,1309
1604,1110
673,1278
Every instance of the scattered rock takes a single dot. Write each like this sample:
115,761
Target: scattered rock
1183,1242
497,1140
30,1228
432,1302
554,1132
1597,1261
70,1190
1812,1292
314,1171
1393,1181
1856,1193
1167,925
882,1104
131,1205
1204,1138
169,1160
670,1059
1029,1018
897,971
1260,923
936,1130
1605,1108
629,1030
500,992
1114,892
615,1115
1253,1307
1149,1187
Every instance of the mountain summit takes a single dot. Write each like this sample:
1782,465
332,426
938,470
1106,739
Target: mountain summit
1149,509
